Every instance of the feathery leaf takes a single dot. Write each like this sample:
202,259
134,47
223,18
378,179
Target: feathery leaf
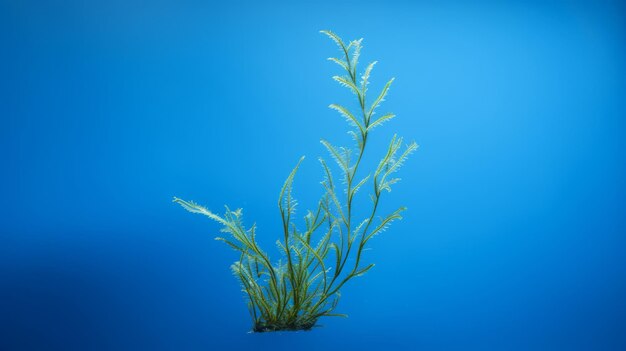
380,121
349,116
379,99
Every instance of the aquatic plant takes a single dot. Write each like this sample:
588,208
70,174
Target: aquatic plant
293,293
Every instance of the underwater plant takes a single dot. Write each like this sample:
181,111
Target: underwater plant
293,293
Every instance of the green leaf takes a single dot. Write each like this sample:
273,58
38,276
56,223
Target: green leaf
195,208
384,223
379,99
359,185
287,185
380,121
364,270
349,116
391,150
340,63
394,165
346,82
335,247
337,156
329,176
231,244
358,228
358,138
355,56
366,76
335,38
336,202
342,315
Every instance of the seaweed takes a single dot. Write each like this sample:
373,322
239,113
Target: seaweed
305,284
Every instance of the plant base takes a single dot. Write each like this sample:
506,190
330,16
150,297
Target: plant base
263,328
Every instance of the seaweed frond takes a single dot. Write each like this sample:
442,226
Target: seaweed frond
315,263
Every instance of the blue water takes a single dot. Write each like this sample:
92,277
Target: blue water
515,234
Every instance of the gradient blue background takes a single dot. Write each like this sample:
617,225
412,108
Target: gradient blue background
515,233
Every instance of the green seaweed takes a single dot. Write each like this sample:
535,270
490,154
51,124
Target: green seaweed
305,284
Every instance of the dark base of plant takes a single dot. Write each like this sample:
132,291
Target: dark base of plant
263,328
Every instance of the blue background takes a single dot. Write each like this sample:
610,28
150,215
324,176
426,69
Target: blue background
515,233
